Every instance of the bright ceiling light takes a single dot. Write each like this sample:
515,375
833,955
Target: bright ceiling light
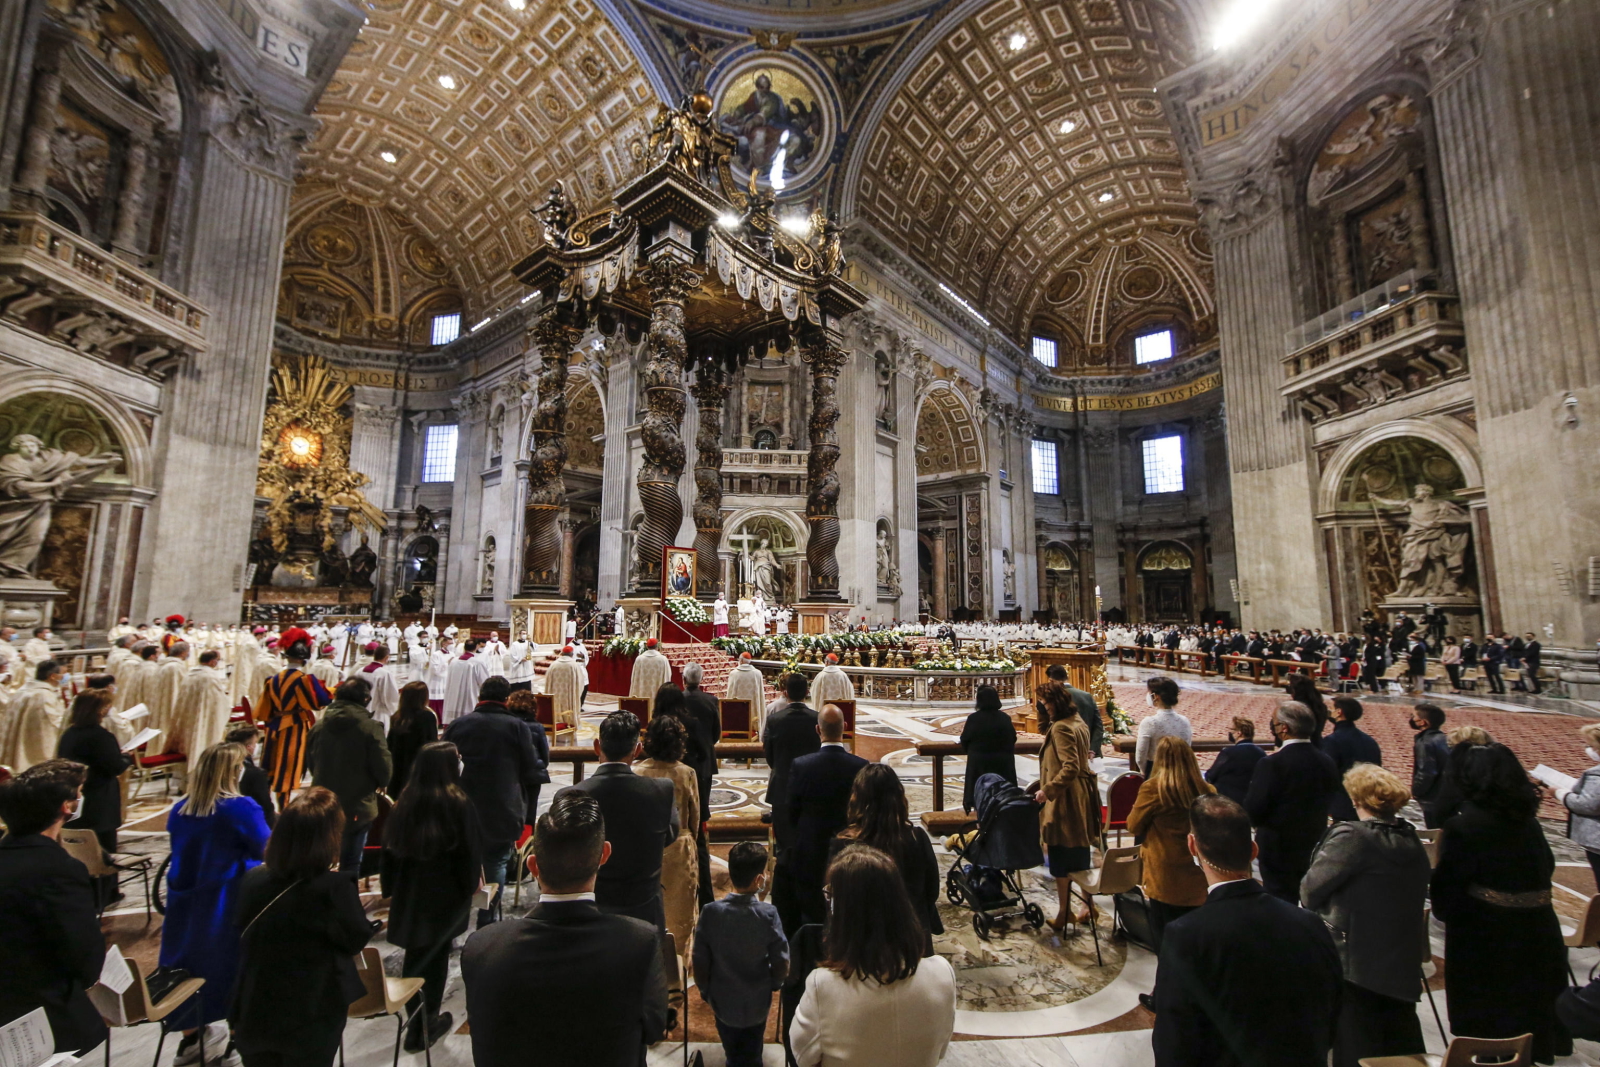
517,5
1067,125
1237,22
1106,197
798,225
1018,41
447,81
388,156
729,221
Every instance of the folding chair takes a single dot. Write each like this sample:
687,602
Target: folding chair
133,1006
146,767
1119,871
84,846
1466,1052
1428,970
1430,844
387,996
519,855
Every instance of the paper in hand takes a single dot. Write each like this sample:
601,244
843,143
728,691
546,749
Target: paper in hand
138,711
140,738
1554,778
115,974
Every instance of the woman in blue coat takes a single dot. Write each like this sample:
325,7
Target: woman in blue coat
217,836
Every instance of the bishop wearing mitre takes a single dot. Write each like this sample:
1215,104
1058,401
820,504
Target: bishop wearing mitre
161,695
651,671
831,683
201,717
30,727
563,683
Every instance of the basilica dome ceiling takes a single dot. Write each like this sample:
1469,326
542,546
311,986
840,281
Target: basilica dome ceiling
1003,147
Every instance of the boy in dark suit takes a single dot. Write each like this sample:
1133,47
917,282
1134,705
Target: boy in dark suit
569,983
740,957
1246,980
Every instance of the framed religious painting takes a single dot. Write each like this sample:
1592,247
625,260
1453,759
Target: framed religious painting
678,571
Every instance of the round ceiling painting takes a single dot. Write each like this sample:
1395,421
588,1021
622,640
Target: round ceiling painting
778,121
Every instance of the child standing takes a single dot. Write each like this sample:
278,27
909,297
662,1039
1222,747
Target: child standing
741,956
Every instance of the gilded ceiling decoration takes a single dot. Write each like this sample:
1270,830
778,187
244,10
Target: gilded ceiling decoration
482,108
360,274
1024,132
584,423
947,438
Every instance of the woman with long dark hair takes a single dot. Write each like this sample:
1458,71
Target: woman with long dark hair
880,818
1070,820
300,923
430,870
414,725
876,999
1491,890
1303,687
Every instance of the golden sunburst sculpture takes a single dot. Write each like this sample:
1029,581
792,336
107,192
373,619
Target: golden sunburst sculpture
305,452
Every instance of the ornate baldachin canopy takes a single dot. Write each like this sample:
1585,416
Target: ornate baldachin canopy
713,276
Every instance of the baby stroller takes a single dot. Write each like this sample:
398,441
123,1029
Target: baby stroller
984,875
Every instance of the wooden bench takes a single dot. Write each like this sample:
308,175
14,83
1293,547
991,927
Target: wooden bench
938,750
1129,745
1194,661
944,823
1232,665
737,828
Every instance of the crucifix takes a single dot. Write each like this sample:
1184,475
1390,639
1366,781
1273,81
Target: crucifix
742,539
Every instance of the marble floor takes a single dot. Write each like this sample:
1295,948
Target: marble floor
1025,997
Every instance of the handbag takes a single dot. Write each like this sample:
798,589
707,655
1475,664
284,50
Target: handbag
1133,918
164,980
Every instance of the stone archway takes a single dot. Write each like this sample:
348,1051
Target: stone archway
1166,583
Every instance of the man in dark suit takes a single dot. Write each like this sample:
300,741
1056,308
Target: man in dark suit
49,927
706,718
642,819
254,783
1430,755
819,798
1417,665
1347,746
1246,980
790,732
570,983
1085,705
500,771
1235,765
1288,800
1532,653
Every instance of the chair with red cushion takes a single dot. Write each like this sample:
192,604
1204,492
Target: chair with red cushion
640,706
848,709
737,721
1119,802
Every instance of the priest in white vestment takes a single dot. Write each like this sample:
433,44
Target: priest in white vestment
161,696
385,699
33,721
831,684
622,622
201,717
746,682
439,671
563,683
519,663
121,658
580,656
462,679
36,649
719,616
651,671
493,654
121,629
782,617
391,637
325,668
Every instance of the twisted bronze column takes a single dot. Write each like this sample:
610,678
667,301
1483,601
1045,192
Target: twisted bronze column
710,392
822,476
666,354
547,492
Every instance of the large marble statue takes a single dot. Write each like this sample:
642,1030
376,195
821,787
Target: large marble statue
766,574
885,563
32,479
1431,554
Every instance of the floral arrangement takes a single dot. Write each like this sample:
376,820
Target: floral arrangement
687,609
623,646
789,646
1121,721
971,666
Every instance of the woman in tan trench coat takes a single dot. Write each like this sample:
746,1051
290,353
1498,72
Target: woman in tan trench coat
1070,821
664,742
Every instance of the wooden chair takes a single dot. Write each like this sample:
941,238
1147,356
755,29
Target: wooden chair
1588,932
147,767
1119,801
738,722
84,846
640,706
1466,1052
519,856
544,710
1119,871
386,996
848,709
133,1006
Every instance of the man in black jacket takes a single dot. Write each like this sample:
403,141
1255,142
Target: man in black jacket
591,983
790,732
1532,652
347,754
1347,746
706,717
1247,980
819,798
49,930
1417,665
254,783
1235,765
1288,801
499,771
1430,754
641,818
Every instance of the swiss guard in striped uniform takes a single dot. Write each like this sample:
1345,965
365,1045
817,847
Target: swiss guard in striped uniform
288,710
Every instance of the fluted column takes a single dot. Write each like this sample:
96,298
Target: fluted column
710,393
547,492
661,433
826,359
130,202
35,170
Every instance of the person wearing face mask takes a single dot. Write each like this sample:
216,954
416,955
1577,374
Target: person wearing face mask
1288,801
48,922
1583,799
1162,698
87,741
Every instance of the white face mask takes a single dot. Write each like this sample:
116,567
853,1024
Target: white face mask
461,767
77,809
1150,699
1592,754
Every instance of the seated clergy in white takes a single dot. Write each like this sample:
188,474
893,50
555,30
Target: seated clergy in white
651,671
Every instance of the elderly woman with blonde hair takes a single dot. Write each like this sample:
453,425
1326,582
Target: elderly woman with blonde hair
1369,882
1583,799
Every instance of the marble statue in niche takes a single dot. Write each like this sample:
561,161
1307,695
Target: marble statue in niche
765,573
1433,546
1008,573
363,564
486,573
32,479
883,370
